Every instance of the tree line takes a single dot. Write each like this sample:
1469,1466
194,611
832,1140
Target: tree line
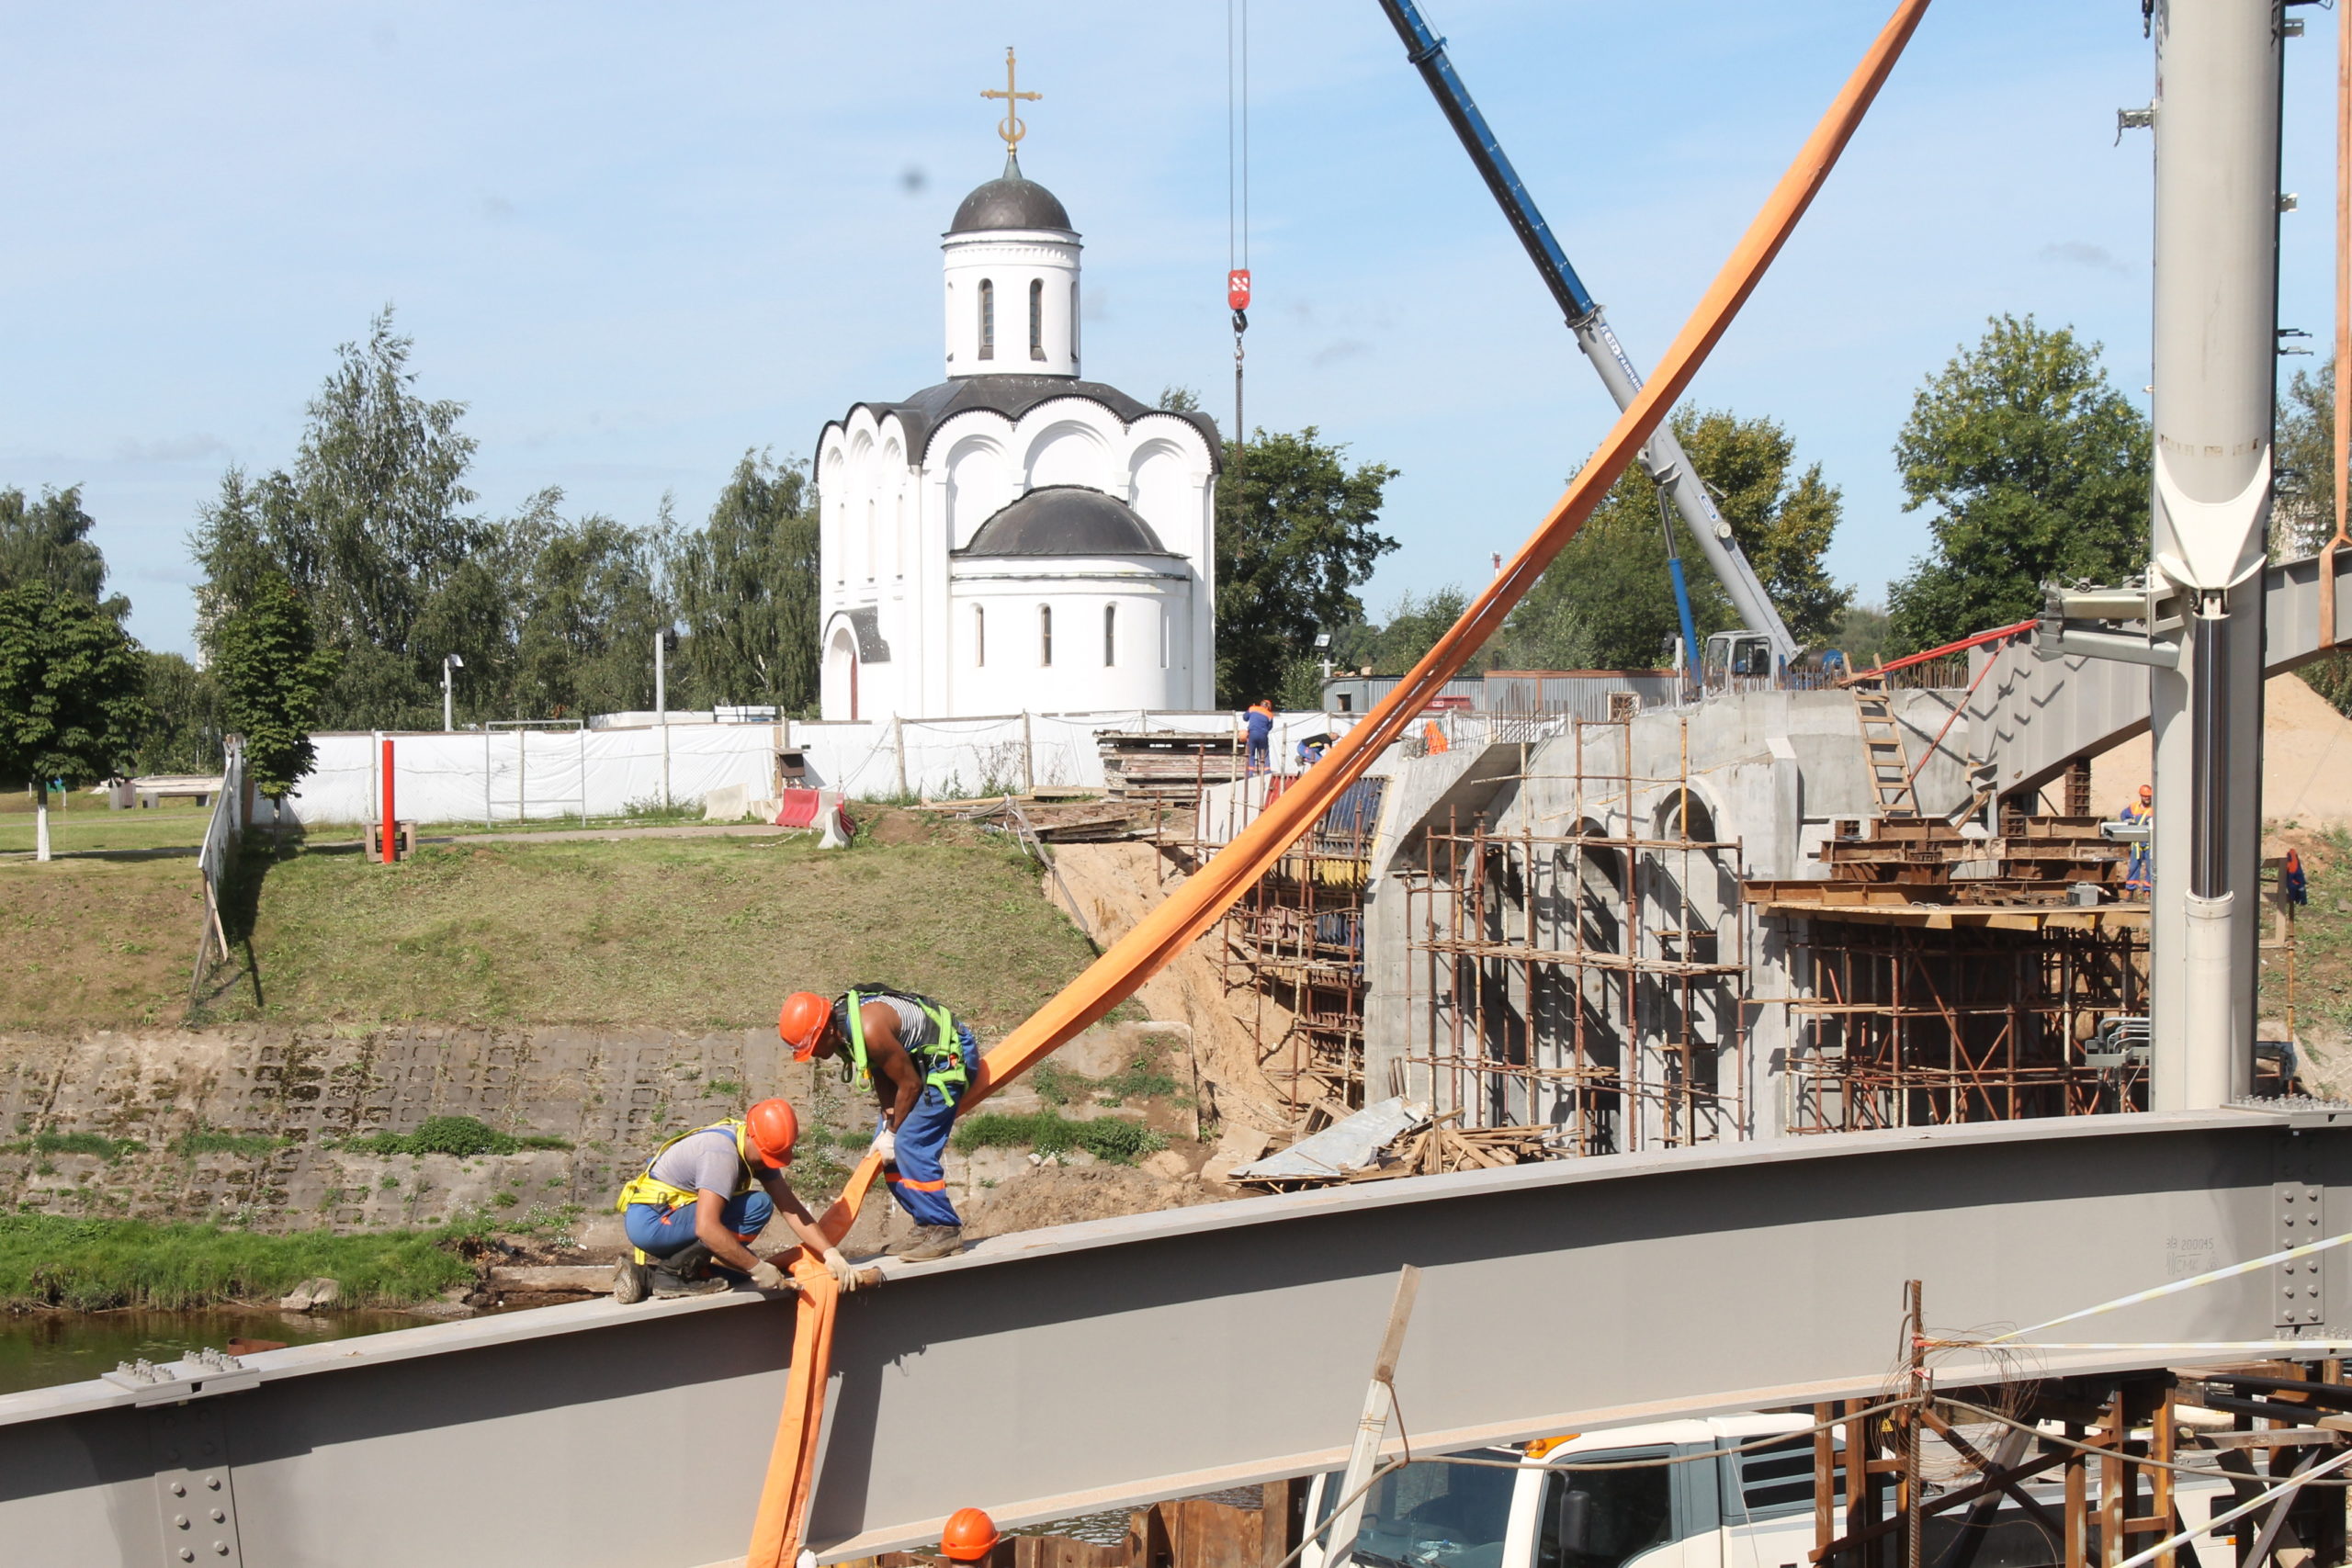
333,589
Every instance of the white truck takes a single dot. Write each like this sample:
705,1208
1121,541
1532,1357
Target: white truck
1716,1511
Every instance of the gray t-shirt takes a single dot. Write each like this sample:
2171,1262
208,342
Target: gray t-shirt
706,1160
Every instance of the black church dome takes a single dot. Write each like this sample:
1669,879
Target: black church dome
1010,202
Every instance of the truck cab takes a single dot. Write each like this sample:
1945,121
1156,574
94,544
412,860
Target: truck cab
1743,656
1712,1509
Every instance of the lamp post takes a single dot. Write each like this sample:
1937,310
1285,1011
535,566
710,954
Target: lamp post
448,662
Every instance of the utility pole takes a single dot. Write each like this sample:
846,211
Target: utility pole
2216,367
664,641
448,707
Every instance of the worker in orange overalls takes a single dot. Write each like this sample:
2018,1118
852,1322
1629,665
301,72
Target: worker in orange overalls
2137,878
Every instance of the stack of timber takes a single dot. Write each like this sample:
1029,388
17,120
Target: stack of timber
1166,764
1065,821
2036,862
1440,1148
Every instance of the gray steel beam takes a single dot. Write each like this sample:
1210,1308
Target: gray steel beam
1109,1364
2033,717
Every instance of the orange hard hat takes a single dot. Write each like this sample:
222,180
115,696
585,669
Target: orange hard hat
801,1024
2147,792
970,1535
774,1129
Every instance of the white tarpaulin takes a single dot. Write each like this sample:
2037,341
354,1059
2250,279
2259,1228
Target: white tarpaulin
510,775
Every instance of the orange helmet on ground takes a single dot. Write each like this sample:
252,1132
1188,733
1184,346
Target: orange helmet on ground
801,1023
772,1128
971,1536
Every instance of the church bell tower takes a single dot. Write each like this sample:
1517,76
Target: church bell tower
1011,266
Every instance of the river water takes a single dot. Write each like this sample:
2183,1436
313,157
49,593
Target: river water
39,1349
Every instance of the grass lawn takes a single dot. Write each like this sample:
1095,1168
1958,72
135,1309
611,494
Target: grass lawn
2323,938
675,933
94,943
80,822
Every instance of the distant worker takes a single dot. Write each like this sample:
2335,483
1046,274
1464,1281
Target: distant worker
2141,812
919,1060
969,1537
1311,750
1258,724
702,1200
2292,883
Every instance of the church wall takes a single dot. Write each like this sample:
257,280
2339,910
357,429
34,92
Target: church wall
1152,610
1012,260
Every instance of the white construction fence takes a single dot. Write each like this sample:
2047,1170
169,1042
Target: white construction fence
509,774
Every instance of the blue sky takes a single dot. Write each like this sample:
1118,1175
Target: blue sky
639,238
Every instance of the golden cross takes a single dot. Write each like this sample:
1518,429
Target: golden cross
1012,127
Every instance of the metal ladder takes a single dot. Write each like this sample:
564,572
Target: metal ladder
1884,757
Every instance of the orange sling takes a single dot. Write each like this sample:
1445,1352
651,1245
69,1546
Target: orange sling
1203,897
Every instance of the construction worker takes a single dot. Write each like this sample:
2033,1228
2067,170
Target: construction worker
969,1537
918,1060
1257,723
2136,879
702,1200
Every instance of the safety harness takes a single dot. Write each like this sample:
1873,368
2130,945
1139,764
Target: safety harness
941,1056
643,1189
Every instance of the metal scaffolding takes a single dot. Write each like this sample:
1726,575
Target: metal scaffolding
1905,1025
1587,986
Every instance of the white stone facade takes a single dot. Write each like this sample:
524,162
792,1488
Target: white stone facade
1093,586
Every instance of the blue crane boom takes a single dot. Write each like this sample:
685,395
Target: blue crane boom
1663,457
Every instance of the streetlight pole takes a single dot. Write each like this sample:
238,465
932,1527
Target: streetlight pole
448,708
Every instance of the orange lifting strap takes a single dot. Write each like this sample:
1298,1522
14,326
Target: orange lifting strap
1203,897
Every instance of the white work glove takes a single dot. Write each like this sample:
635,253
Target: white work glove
845,1273
886,1143
768,1276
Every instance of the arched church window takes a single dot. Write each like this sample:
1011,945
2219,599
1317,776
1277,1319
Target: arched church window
1045,634
980,633
1073,326
988,318
873,542
1164,638
1110,636
1036,317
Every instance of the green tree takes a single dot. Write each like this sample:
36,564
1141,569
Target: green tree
2036,471
592,605
2303,513
370,528
272,671
1607,600
747,589
69,692
182,733
49,541
1296,538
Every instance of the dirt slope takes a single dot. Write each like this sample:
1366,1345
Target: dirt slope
2306,760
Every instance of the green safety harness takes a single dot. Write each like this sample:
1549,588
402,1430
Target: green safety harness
943,1055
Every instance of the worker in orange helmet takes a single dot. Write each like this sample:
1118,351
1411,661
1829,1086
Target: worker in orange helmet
695,1209
2138,880
918,1059
969,1537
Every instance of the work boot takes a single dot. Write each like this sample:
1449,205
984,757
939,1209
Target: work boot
685,1272
630,1284
929,1242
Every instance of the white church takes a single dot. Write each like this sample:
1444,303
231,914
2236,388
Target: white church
1016,539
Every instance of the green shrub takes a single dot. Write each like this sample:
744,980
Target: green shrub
1109,1138
213,1140
96,1144
451,1135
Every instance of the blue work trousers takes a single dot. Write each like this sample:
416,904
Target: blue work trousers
664,1233
918,1180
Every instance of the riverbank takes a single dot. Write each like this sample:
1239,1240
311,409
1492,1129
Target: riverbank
90,1265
